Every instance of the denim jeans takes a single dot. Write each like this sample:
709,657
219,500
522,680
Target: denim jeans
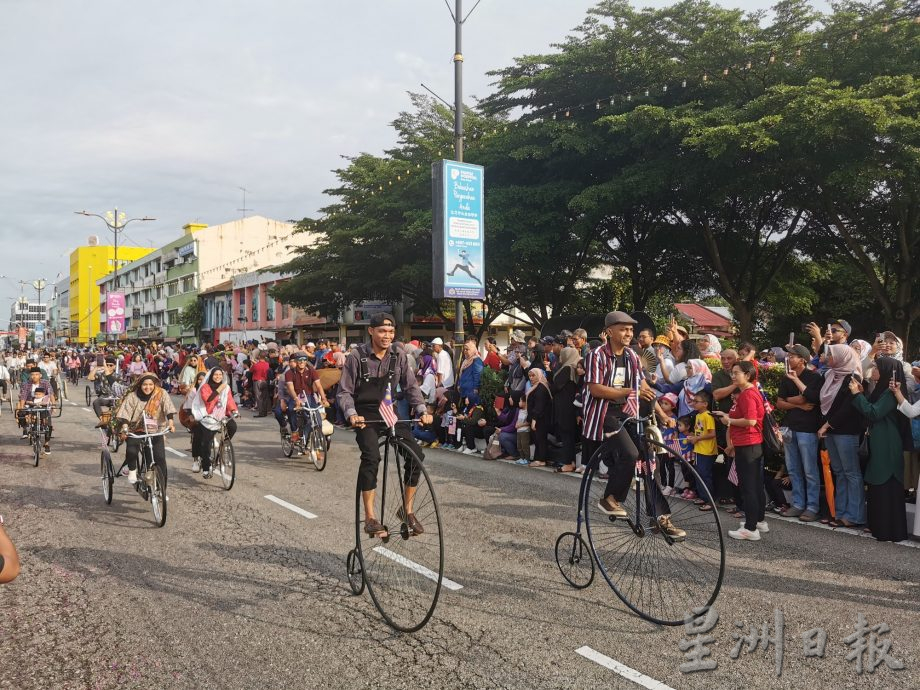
508,441
849,494
802,465
704,465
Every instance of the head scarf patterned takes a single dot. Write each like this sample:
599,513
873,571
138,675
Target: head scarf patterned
843,362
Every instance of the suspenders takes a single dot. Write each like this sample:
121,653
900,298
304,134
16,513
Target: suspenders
364,373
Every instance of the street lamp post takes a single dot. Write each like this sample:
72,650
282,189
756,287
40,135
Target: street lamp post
115,222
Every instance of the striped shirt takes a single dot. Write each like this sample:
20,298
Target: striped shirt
601,367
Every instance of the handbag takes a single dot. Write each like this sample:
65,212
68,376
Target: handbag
493,449
863,451
772,436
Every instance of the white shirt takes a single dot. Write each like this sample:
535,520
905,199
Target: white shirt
446,369
50,368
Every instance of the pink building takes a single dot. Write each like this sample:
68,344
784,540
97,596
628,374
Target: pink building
255,314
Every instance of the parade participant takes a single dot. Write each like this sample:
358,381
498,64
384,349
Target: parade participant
211,402
371,372
147,401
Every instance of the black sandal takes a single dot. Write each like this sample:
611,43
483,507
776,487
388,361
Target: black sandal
374,528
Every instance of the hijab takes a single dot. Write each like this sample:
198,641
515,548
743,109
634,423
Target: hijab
891,369
843,362
541,381
568,359
715,347
469,360
698,375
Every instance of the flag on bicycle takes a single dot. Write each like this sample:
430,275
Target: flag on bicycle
631,406
387,413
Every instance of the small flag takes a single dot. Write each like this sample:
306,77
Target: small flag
733,472
631,406
386,408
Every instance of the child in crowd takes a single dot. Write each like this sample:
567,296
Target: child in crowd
426,435
447,432
668,404
684,431
704,443
523,433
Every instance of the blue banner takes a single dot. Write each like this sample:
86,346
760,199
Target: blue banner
460,263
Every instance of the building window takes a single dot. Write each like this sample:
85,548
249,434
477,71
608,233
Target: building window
255,304
172,288
269,307
285,311
188,283
242,314
159,291
172,317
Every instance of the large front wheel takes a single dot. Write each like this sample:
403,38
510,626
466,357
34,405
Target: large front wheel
660,574
404,571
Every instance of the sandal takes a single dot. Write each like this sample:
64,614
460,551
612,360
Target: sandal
537,463
825,521
580,470
834,523
737,514
705,507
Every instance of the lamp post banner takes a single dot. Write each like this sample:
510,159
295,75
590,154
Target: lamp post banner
458,244
114,312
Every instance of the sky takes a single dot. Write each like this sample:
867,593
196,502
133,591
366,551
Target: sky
165,109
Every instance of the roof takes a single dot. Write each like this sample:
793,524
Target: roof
703,318
226,286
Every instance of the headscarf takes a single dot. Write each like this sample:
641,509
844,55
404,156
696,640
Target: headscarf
568,359
864,347
468,361
698,375
890,369
541,381
843,362
715,347
152,401
199,411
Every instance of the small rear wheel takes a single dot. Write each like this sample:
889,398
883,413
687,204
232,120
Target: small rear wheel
89,396
355,574
36,448
574,560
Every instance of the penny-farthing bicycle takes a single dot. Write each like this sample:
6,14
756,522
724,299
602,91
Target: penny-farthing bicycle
660,577
402,571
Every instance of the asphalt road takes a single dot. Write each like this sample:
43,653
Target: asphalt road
237,591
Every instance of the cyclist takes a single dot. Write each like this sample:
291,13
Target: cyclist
35,392
372,371
104,381
73,364
50,368
147,401
613,373
211,402
188,374
300,382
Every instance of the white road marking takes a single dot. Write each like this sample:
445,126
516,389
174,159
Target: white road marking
420,569
176,452
622,670
291,506
71,403
86,409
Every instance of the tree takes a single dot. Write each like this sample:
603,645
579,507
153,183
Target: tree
192,317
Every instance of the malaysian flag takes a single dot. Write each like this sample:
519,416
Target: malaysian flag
631,406
386,408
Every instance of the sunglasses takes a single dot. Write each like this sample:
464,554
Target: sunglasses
837,330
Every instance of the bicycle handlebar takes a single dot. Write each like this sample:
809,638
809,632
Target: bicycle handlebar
147,434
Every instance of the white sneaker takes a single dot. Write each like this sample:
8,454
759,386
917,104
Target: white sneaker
763,527
132,476
667,491
196,465
742,533
469,451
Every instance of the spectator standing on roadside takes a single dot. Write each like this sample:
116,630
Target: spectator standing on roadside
260,371
580,342
889,435
470,374
445,366
800,442
564,387
492,360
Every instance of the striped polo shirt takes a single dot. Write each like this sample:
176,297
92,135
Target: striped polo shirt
601,367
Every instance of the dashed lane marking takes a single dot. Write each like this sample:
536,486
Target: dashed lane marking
176,452
420,569
622,670
86,409
290,506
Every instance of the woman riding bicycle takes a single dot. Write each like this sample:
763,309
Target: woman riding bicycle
147,402
136,369
212,402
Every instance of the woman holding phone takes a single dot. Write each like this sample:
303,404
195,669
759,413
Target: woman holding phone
745,439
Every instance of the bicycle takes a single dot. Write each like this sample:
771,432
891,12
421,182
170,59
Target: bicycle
316,443
110,440
404,570
151,483
659,577
37,429
223,457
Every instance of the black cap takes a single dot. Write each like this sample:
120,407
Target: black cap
110,360
378,320
299,356
34,370
799,351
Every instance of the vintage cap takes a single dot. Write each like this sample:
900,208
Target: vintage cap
437,341
845,325
615,317
311,344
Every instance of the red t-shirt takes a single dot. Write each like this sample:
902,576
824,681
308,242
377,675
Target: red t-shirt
493,361
303,382
749,405
260,371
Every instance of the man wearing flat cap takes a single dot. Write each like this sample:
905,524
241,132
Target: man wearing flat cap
615,384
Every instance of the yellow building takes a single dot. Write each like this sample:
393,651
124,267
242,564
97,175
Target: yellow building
87,265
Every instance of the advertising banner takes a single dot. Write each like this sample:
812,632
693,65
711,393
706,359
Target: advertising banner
114,313
458,245
39,333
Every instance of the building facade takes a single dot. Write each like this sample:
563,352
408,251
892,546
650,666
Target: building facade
87,266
